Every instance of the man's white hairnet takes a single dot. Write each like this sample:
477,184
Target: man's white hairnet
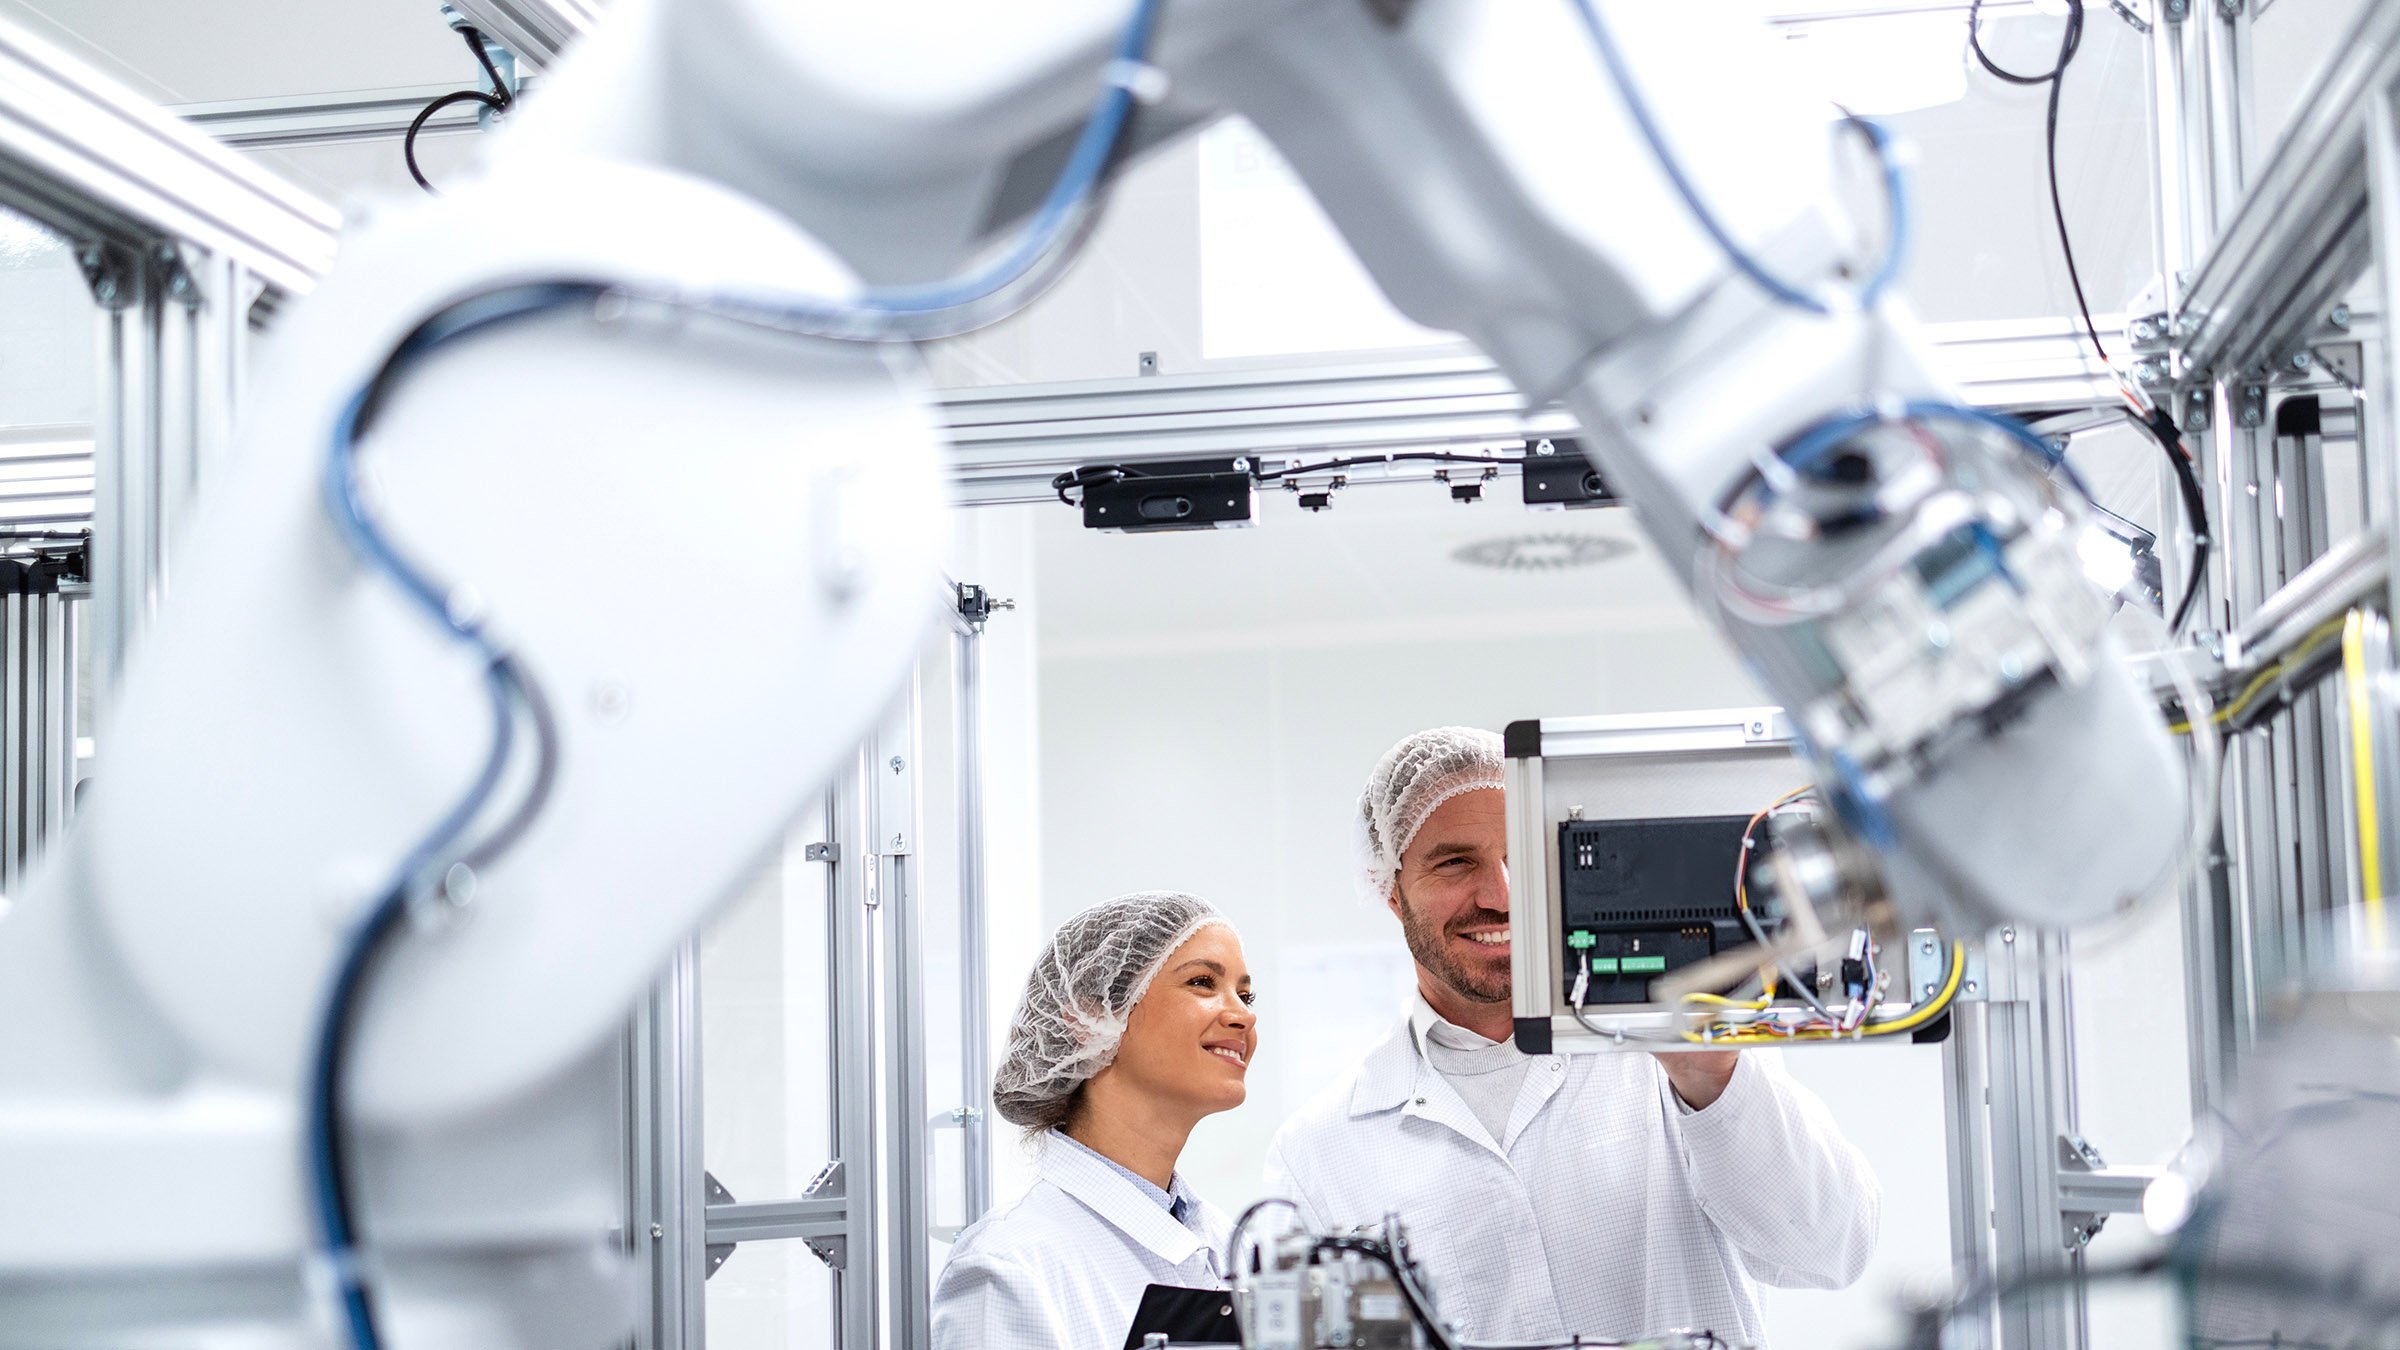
1410,783
1083,988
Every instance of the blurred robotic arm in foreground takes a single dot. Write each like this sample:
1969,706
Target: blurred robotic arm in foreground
419,780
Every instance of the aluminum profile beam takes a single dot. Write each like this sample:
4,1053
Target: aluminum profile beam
81,152
2299,239
327,119
536,31
1008,441
2111,1190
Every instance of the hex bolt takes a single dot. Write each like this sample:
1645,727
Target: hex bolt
2144,330
2301,362
2177,9
2340,317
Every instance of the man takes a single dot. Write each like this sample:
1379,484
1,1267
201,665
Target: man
1604,1194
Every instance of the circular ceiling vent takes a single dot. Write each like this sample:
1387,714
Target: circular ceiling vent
1551,552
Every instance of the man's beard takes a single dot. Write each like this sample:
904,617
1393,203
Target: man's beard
1432,949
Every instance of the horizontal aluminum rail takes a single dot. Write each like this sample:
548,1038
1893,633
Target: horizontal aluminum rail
2300,237
82,153
1008,441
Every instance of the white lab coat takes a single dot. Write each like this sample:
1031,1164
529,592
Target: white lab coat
1610,1209
1065,1266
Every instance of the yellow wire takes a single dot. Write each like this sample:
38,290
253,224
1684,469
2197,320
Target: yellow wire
2362,769
2241,702
1720,1001
1741,875
1909,1021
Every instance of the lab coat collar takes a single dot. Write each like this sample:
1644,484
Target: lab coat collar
1396,1074
1388,1078
1120,1203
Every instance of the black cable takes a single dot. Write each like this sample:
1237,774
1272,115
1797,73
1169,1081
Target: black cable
2160,424
498,101
2162,429
1383,1251
1233,1242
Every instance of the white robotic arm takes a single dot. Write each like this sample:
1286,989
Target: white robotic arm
704,183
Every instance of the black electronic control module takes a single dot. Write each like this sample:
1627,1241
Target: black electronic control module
1639,898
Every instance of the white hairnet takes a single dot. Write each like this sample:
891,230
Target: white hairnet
1082,989
1410,783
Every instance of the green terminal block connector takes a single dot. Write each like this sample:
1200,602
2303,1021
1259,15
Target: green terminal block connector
1580,939
1604,965
1643,965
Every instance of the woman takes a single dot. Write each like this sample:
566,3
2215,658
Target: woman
1135,1024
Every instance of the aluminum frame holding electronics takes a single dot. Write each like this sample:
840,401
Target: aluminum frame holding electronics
2025,1190
2275,366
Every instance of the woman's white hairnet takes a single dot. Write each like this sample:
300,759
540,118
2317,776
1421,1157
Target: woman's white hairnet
1410,783
1082,989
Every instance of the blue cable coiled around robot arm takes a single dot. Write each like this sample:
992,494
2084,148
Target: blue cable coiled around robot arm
514,697
1895,185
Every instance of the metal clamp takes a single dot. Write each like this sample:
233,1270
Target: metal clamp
975,605
824,853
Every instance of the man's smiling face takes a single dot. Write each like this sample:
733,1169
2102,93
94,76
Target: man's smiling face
1452,896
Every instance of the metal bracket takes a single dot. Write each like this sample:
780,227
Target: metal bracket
2229,10
2140,24
111,272
2178,10
175,277
2199,408
1929,965
827,1183
718,1252
2253,408
2076,1156
2148,332
824,853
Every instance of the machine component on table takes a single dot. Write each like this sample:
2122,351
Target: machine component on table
1362,1290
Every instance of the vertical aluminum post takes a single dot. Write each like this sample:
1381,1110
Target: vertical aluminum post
851,894
892,767
663,1127
973,941
1967,1121
2030,1069
124,456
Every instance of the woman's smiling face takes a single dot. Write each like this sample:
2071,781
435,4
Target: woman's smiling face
1192,1036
